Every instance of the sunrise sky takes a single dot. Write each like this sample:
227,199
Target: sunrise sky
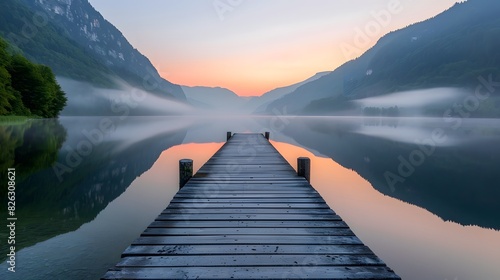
253,46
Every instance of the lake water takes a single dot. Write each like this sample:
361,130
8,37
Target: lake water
423,194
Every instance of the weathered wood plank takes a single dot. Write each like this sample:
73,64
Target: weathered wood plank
263,200
228,186
256,249
278,176
255,272
241,172
235,188
150,231
247,239
248,224
250,205
247,211
248,180
263,184
247,194
239,167
251,260
265,217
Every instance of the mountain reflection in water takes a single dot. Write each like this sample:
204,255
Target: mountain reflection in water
76,181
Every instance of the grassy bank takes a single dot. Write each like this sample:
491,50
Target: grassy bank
9,120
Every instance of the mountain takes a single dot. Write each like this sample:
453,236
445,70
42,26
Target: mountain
45,44
76,41
214,98
258,104
225,100
451,49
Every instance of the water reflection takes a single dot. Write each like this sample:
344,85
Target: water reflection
29,146
414,242
89,251
96,183
69,186
451,172
448,169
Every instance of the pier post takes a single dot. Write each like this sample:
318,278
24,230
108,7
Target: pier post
185,171
304,168
229,135
267,134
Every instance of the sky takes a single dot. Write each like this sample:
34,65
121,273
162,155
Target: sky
253,46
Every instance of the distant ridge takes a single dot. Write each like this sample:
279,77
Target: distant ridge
451,49
214,98
225,100
259,104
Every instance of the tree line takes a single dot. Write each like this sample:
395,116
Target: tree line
26,88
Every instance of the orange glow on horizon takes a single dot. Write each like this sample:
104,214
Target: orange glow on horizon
245,86
253,78
321,168
191,45
200,153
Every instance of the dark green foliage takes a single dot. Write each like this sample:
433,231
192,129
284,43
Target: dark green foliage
6,95
27,88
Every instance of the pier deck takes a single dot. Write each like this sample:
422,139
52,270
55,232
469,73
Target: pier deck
247,215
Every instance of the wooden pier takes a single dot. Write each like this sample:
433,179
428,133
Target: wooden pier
246,214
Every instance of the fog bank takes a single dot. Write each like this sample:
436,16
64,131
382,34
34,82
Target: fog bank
86,100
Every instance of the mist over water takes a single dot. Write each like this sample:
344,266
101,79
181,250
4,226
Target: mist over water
85,99
417,103
414,98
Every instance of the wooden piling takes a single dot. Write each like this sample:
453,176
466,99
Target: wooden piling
229,135
304,168
267,134
185,171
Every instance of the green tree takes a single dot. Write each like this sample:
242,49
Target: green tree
10,99
5,93
28,80
27,88
57,97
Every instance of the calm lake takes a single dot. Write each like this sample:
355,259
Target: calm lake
423,194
